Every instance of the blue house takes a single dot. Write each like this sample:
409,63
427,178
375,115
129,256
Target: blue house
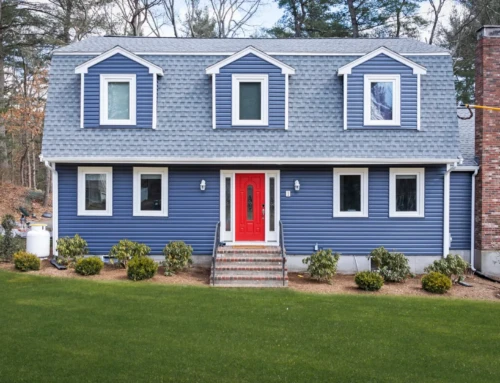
262,145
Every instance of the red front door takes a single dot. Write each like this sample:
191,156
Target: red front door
250,200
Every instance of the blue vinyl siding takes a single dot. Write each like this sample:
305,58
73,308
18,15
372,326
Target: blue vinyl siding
307,216
460,210
119,64
192,213
381,64
250,64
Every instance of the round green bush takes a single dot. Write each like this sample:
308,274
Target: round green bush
89,266
435,282
322,265
25,261
177,257
125,250
369,280
140,268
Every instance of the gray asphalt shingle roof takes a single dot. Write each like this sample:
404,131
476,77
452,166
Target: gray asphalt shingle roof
315,110
467,137
189,45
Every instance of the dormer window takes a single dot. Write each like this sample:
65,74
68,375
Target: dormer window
250,99
382,100
118,99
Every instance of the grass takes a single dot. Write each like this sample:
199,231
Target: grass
72,330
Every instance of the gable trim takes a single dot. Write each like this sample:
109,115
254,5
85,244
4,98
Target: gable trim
347,69
215,68
84,68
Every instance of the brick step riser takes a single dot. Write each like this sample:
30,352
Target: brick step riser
249,255
250,264
276,273
253,284
269,260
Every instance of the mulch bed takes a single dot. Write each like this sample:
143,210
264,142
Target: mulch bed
342,284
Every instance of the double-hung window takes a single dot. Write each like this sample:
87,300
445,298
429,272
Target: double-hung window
350,192
250,99
382,100
95,191
407,192
151,192
118,99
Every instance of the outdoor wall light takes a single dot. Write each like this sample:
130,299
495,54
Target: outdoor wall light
297,185
203,185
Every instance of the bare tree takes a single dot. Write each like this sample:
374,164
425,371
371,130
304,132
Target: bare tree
437,7
233,16
171,14
136,14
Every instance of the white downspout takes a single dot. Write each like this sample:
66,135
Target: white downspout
55,205
472,220
446,213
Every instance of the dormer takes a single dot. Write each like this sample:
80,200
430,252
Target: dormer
250,90
382,91
118,90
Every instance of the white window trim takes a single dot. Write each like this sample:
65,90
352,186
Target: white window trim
103,105
264,99
108,171
420,173
396,99
137,192
363,172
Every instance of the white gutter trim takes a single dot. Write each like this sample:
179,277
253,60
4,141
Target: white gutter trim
55,204
472,219
446,210
465,169
253,160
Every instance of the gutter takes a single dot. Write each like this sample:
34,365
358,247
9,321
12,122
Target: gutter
446,209
55,204
472,220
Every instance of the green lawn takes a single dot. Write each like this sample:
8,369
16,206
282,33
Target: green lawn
61,330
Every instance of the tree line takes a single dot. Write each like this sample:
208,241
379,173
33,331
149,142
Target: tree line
30,30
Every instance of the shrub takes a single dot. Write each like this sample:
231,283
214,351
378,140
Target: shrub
322,265
25,261
453,266
89,266
177,257
8,245
140,268
70,250
435,282
35,195
125,250
393,267
369,280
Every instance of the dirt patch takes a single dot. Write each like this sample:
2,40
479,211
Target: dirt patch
344,284
14,196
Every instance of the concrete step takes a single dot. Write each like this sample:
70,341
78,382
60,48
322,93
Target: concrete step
248,259
260,271
250,281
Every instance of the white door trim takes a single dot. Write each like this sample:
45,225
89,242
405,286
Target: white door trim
271,238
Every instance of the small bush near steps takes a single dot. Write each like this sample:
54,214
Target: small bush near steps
140,268
435,282
177,257
393,267
369,280
453,266
25,261
69,250
322,265
125,250
89,266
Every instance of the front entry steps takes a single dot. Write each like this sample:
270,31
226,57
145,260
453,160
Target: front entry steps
249,267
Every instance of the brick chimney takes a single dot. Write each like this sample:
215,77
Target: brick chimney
487,204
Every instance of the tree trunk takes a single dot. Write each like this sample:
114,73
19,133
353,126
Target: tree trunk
354,20
4,162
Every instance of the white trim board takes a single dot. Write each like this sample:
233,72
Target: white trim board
252,160
153,69
215,68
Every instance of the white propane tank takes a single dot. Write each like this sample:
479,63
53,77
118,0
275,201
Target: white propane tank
38,240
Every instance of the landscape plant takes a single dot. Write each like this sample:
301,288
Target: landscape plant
8,244
25,261
369,280
89,266
435,282
393,267
322,265
140,268
453,266
177,257
70,249
125,250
